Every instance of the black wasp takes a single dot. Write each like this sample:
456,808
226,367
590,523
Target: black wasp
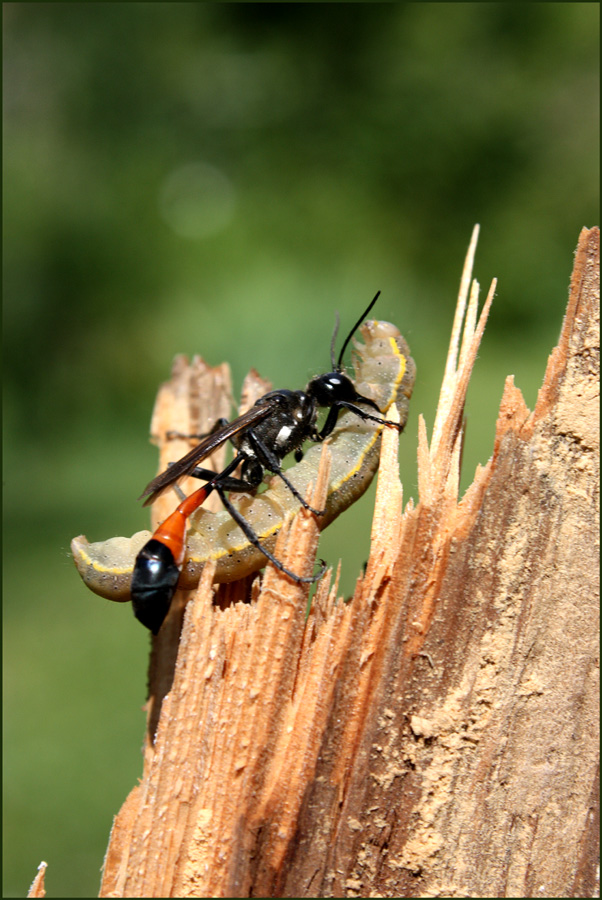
278,424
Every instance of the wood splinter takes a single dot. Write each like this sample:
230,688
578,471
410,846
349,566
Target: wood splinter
438,734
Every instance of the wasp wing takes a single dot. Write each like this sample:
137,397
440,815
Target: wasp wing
186,464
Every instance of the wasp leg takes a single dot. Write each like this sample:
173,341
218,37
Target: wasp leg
271,462
252,537
333,415
238,485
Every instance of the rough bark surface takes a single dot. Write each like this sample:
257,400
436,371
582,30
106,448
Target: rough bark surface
436,736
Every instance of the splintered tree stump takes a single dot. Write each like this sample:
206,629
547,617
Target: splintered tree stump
438,734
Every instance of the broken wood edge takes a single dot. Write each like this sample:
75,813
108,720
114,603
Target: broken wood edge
38,888
194,398
566,409
278,617
190,403
385,536
224,844
411,598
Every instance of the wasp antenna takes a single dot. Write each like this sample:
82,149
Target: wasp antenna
337,368
333,342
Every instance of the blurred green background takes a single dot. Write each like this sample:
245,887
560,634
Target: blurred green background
220,179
